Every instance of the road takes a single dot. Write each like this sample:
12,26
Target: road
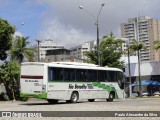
137,104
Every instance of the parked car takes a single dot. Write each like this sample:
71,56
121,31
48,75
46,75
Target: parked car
145,93
135,94
157,93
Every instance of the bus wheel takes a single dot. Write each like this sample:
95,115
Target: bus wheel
68,101
51,101
91,100
111,97
74,97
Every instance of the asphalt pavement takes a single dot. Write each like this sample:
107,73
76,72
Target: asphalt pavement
148,105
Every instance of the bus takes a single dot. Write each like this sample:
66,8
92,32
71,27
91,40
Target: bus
70,81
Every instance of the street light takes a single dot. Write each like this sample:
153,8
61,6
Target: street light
38,41
20,26
97,25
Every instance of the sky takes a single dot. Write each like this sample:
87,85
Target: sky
63,21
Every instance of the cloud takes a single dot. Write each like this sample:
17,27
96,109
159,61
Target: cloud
63,20
65,34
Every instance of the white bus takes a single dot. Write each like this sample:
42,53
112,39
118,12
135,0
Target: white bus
70,81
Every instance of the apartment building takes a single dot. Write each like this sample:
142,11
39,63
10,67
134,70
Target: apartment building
143,29
78,51
60,54
48,45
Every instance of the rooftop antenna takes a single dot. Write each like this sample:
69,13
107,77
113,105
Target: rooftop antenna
139,13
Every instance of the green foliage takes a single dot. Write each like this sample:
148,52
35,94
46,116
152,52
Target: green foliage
20,50
6,36
110,50
157,44
137,46
10,71
10,76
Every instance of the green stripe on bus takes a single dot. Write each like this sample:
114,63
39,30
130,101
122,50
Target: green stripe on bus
105,87
41,96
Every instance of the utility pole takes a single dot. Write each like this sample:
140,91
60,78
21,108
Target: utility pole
129,73
38,41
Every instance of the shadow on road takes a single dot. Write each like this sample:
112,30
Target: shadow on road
59,103
62,103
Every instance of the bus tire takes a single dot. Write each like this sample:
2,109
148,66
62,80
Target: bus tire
111,97
68,101
91,100
52,101
74,97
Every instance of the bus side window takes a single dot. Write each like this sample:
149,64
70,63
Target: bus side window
59,74
112,76
81,75
92,76
69,74
102,76
66,74
108,76
72,74
51,74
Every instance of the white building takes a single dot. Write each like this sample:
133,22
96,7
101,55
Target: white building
150,70
124,45
133,59
48,45
78,51
149,73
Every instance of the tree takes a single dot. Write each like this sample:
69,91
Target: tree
157,46
6,36
110,52
20,50
137,46
10,75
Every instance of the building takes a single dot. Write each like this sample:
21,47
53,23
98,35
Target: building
150,72
149,75
48,45
144,29
124,47
79,51
60,54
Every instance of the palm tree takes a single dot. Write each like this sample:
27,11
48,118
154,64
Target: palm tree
157,46
109,54
136,46
21,51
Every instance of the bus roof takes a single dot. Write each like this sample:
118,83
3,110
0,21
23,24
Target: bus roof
76,64
73,65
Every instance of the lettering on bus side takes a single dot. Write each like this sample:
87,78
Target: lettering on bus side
31,80
83,86
71,86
